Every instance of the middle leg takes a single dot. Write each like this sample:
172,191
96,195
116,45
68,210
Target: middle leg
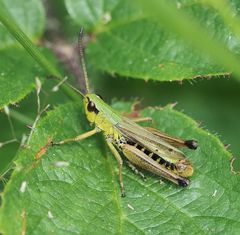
120,163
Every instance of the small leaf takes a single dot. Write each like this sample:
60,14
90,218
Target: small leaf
81,195
30,17
132,44
90,13
11,25
17,75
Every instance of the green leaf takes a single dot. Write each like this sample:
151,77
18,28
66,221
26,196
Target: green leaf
83,197
194,32
130,43
17,75
30,16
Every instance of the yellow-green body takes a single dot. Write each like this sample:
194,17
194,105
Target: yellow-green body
140,145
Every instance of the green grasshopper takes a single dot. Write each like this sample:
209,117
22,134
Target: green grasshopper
144,147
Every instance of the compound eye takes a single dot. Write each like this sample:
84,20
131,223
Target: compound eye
91,106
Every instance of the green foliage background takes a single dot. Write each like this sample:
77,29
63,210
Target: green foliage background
160,53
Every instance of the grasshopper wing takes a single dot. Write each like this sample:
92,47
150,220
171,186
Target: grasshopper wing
154,143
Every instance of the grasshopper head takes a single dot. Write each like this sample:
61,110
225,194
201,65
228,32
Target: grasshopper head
184,168
90,106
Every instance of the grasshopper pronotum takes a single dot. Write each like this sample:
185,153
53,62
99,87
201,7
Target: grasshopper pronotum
144,147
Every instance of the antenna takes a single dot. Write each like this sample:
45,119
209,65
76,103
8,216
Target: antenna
63,81
82,61
74,88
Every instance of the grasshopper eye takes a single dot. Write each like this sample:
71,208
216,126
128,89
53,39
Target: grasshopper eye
91,107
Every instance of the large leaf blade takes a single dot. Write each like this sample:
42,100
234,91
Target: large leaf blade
132,44
84,196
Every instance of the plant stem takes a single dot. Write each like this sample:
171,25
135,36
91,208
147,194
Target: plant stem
22,38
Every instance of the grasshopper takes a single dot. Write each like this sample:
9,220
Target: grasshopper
144,147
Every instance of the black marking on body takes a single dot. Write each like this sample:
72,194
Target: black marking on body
120,141
138,146
130,142
167,164
155,157
100,96
162,161
172,166
147,152
152,155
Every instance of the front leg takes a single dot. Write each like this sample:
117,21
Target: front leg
77,138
